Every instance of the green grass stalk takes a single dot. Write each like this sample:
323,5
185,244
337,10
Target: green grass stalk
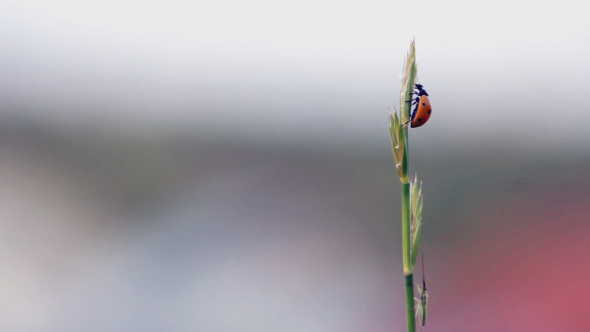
411,318
399,141
406,95
406,242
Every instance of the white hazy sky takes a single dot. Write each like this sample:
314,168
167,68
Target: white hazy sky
301,70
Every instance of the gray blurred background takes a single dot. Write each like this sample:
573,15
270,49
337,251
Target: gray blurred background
226,166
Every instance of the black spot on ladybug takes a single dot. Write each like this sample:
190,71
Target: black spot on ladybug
429,111
423,104
419,119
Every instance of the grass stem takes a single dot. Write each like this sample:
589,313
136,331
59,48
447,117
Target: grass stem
401,154
411,318
406,242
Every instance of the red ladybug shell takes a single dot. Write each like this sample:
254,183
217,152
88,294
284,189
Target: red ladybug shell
422,112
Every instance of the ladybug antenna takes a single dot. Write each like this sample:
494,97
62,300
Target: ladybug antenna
423,277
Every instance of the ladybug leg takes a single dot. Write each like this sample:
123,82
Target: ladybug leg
411,117
413,113
415,102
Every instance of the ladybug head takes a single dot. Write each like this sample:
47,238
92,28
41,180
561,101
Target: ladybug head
421,91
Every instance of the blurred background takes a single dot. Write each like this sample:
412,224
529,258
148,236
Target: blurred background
226,166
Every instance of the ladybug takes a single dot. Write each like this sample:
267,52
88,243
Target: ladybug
422,111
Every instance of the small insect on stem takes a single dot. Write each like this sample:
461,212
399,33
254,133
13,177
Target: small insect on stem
422,302
422,109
